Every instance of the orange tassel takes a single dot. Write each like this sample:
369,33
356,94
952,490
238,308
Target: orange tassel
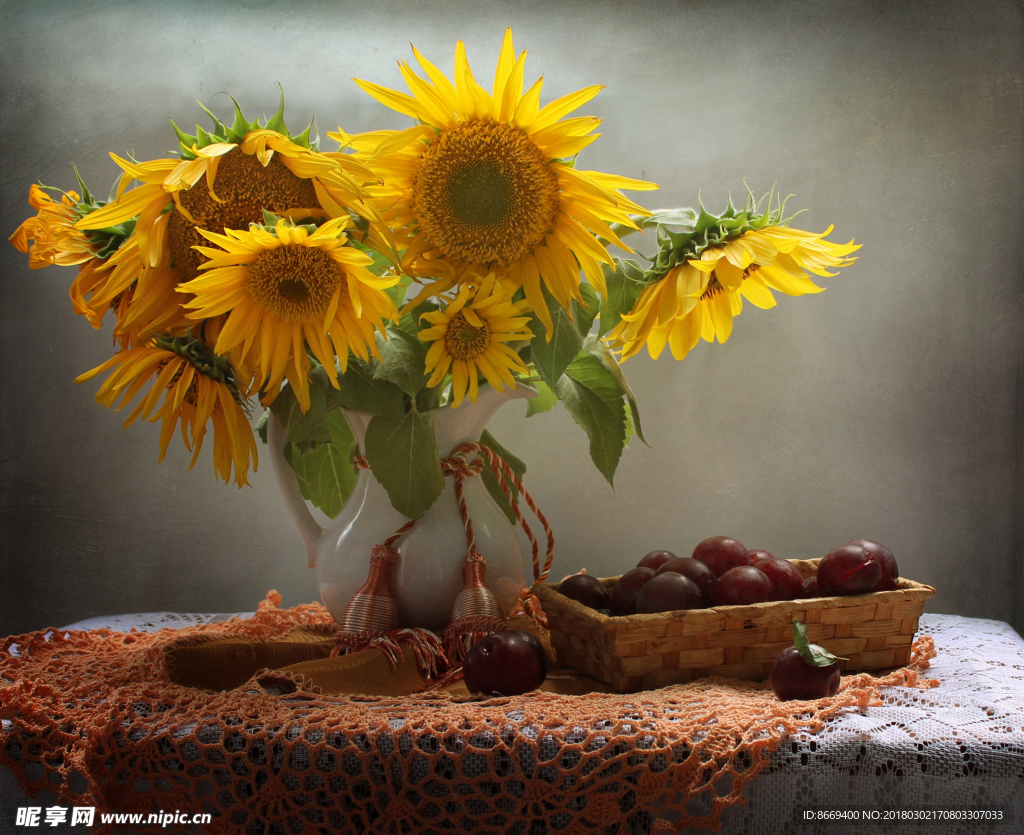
475,613
372,611
370,621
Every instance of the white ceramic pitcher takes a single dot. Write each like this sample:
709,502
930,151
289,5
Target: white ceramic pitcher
428,573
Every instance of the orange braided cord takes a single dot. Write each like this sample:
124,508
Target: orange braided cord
505,476
397,535
459,465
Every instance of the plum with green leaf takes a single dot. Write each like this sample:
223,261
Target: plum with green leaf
804,670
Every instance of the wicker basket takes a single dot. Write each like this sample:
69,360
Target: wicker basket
641,652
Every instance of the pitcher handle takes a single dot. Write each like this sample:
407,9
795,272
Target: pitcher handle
309,530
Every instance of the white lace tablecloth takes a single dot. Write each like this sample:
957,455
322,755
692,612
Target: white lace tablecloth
958,747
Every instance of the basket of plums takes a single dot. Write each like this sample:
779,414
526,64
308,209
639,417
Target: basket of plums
729,611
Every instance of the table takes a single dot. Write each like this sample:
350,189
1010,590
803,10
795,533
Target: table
956,747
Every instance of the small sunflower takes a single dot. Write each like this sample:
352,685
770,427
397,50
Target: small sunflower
285,288
726,259
248,168
197,388
101,265
484,183
54,239
469,338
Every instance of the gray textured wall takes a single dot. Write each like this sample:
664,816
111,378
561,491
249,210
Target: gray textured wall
886,407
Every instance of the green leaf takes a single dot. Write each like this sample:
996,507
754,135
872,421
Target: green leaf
318,377
276,122
624,288
599,349
584,314
241,125
304,430
402,455
603,422
325,473
362,391
404,360
811,653
591,372
491,480
684,217
261,425
544,401
410,322
552,357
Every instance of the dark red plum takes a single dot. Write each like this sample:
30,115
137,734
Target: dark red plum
585,589
846,570
811,587
804,670
720,553
793,678
506,664
757,555
787,584
703,576
890,573
627,588
742,586
655,559
668,592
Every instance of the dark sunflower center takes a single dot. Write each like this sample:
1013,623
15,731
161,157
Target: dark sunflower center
485,193
247,188
480,194
294,282
192,394
464,341
715,287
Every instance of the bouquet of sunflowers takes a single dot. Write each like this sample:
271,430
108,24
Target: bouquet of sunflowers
397,274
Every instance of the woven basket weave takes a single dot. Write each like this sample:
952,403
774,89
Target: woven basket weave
642,652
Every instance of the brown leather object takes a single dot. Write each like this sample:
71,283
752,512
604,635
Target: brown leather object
227,663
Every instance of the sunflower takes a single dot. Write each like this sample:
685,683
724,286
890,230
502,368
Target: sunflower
484,182
197,388
248,168
469,338
729,258
54,240
287,287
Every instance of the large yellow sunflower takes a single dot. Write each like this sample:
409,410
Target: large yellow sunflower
247,169
484,182
285,289
469,338
699,298
196,387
